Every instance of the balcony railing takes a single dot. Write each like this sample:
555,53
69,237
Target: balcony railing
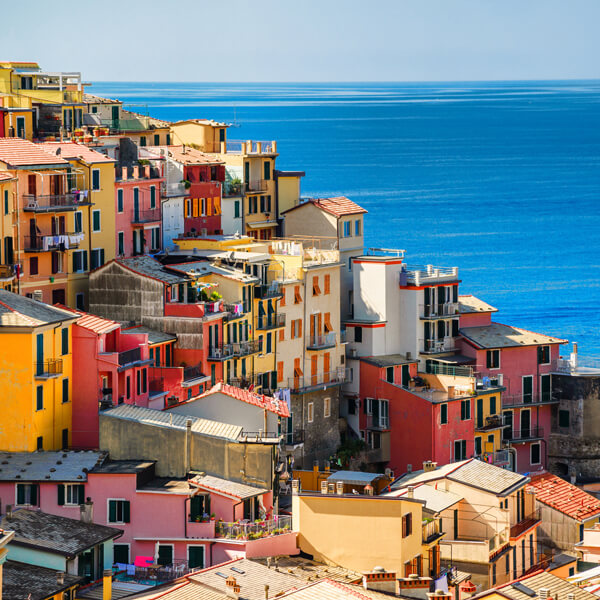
445,369
48,368
525,434
438,311
492,422
293,438
146,216
235,310
258,185
51,243
171,190
319,342
433,346
225,351
308,383
527,399
193,372
232,190
431,530
130,356
271,290
52,202
7,271
579,365
153,575
271,321
378,422
254,531
422,274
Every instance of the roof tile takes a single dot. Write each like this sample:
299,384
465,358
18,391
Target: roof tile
16,152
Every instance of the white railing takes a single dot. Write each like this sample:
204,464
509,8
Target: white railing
429,311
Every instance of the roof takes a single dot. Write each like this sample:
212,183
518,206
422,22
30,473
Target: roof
435,500
4,176
472,472
181,589
228,488
22,581
311,570
159,418
585,575
202,122
166,485
49,466
354,477
92,322
560,560
119,589
190,156
328,589
564,497
497,335
73,150
260,400
54,534
149,267
93,99
339,206
388,360
20,311
204,267
154,336
558,588
468,304
123,466
16,152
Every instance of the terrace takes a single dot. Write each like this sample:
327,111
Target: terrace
48,369
54,202
304,384
320,342
429,312
50,243
243,530
416,275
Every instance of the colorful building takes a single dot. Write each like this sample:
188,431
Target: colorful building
37,374
8,231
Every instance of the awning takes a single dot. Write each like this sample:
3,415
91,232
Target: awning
354,477
456,359
261,224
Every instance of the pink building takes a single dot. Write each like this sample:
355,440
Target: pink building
521,362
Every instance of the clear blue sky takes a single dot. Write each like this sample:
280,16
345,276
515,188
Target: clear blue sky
306,40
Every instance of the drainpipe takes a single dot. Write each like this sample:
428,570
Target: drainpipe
188,445
185,516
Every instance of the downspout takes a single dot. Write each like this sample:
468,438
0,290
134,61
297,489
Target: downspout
188,445
304,360
185,516
54,392
18,241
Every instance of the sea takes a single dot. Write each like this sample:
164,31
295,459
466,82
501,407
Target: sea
501,179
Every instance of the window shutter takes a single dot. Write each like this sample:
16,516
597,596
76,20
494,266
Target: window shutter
61,494
455,328
75,256
20,493
34,494
112,511
195,507
488,359
126,511
85,260
81,493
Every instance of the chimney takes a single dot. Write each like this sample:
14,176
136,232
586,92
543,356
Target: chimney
147,171
324,487
295,487
136,172
315,467
451,391
266,592
9,512
331,488
339,488
368,490
232,588
543,593
574,347
439,595
60,578
123,172
107,584
380,580
410,491
571,596
86,511
429,466
273,146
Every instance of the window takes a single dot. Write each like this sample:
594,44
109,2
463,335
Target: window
443,414
236,209
128,386
33,265
165,554
327,407
5,202
121,238
80,261
460,449
28,494
347,229
564,418
543,355
153,196
493,359
39,397
121,554
156,139
406,525
535,454
97,258
40,443
267,170
80,301
71,494
142,140
315,286
196,557
357,227
493,405
118,511
389,374
65,389
78,222
311,412
21,127
94,110
269,344
465,410
327,284
297,295
95,179
358,334
296,328
120,200
96,221
64,336
478,446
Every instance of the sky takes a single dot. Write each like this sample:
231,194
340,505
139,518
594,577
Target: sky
306,40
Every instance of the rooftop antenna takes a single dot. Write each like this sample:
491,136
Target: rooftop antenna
235,122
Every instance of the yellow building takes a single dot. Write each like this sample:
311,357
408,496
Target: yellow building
489,426
16,117
36,374
7,231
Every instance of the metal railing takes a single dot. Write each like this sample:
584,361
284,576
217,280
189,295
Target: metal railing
271,322
49,243
48,367
193,372
445,369
306,383
378,422
130,356
293,438
581,364
438,311
529,433
7,271
224,351
318,342
37,203
257,185
146,216
271,290
155,574
431,530
491,422
420,274
433,346
254,531
527,399
235,310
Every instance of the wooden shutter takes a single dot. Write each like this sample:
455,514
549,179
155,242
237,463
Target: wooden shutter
282,301
81,493
327,320
297,296
61,494
112,511
282,335
126,511
326,364
35,488
279,371
327,284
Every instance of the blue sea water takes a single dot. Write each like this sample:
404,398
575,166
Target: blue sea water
501,179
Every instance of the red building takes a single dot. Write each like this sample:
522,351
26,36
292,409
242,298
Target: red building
521,361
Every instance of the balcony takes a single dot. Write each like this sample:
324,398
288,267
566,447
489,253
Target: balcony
236,349
174,190
130,356
257,186
254,531
232,190
433,346
54,202
271,322
309,383
7,272
48,369
430,312
151,575
265,291
492,422
525,524
235,311
294,438
378,422
432,530
517,400
524,435
192,374
446,369
320,342
418,275
146,216
578,365
51,243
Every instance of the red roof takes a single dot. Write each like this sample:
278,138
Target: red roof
92,322
17,152
4,176
74,150
338,207
271,404
564,497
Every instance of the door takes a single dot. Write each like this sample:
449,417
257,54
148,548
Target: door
31,185
528,389
405,375
196,557
525,424
507,432
545,394
115,116
479,411
40,353
165,555
136,205
21,127
427,302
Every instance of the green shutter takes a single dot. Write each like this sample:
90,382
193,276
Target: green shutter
112,511
81,493
61,494
96,217
34,494
65,340
20,493
195,507
165,555
126,511
195,557
85,263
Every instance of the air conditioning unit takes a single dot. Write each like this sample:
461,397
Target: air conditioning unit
500,379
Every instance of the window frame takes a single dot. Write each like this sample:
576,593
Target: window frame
326,407
537,445
444,413
95,176
310,412
122,500
493,353
96,213
30,485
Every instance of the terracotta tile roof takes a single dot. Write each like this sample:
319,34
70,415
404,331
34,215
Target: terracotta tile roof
16,152
191,156
74,150
229,488
339,206
327,589
558,588
564,497
271,404
91,322
4,176
497,335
